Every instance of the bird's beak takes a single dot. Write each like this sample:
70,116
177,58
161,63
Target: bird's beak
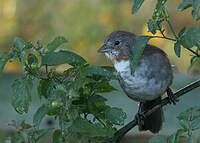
104,48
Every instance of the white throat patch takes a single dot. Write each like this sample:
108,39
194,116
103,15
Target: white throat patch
122,66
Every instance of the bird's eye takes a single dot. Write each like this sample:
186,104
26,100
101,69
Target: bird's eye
117,43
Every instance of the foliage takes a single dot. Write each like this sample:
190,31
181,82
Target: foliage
185,38
73,97
189,121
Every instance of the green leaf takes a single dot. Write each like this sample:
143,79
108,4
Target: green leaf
191,38
190,139
103,71
56,43
137,49
38,134
196,9
193,60
177,49
115,115
182,31
158,139
3,60
190,114
21,94
106,87
96,99
152,26
45,88
57,136
86,128
184,5
178,134
32,59
39,115
25,125
137,4
62,57
172,138
184,124
18,49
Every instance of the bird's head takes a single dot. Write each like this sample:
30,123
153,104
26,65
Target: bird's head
117,45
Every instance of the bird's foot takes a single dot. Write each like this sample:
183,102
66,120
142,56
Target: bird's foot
172,99
139,117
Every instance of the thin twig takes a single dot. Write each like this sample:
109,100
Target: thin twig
121,132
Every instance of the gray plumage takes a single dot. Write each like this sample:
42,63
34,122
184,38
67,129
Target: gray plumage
152,77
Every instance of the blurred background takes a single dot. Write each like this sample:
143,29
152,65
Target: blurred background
85,25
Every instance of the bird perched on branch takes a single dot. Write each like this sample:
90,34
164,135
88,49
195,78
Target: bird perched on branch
151,79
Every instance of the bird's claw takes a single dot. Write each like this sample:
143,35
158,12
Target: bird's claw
172,99
139,117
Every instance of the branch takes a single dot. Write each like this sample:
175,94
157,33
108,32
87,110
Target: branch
121,132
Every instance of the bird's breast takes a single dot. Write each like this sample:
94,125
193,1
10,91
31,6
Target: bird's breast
143,85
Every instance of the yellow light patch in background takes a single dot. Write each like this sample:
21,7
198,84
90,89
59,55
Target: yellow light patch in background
12,67
154,41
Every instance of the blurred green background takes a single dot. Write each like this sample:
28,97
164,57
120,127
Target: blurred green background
85,23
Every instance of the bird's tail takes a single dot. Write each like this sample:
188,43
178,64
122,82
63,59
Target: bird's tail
154,121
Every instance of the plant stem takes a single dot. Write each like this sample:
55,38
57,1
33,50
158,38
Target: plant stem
192,52
172,29
167,38
121,132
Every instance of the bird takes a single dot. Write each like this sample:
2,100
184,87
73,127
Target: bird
152,77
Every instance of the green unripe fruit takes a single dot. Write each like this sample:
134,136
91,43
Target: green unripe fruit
56,104
33,65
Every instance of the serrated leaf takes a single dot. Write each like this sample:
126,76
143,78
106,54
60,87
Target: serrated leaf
86,128
139,43
177,49
152,26
97,99
18,49
21,96
62,57
184,5
115,115
158,139
191,38
58,41
96,70
39,115
57,136
136,6
190,114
